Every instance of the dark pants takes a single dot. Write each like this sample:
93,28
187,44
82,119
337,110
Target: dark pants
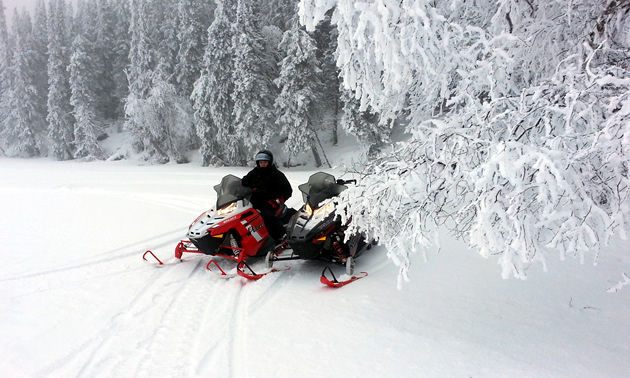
273,223
275,227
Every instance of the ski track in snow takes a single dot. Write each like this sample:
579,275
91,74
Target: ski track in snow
101,258
177,308
154,312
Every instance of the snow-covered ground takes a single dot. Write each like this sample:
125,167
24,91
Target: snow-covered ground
76,299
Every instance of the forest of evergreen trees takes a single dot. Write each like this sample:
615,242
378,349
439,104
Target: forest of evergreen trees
222,77
516,112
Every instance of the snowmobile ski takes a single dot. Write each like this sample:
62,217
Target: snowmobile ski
251,275
338,283
154,261
221,273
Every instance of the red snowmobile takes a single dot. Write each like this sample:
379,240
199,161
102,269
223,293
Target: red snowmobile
233,230
315,232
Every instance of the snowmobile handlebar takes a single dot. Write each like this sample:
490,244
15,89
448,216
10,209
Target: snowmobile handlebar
344,182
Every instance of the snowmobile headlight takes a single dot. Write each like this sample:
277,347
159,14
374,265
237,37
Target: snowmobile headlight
329,207
228,209
325,210
320,211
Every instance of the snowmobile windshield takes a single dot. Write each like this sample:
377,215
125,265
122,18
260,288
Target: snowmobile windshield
231,189
320,187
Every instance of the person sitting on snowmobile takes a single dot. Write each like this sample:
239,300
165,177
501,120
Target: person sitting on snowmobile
271,189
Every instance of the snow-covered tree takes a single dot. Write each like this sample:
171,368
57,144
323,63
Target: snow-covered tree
253,94
325,35
165,25
60,119
364,125
120,53
25,120
139,73
517,119
211,96
84,99
4,72
195,17
279,13
39,42
166,118
301,88
105,55
158,117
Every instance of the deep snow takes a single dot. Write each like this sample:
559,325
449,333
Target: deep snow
76,299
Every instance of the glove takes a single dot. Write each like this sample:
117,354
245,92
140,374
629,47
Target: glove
276,205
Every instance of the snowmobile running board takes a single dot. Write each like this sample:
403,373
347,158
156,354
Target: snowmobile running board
335,282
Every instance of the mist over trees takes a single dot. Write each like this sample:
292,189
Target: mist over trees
516,112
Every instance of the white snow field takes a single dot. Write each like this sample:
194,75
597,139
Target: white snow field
77,300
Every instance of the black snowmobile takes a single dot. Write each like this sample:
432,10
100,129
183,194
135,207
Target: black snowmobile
315,231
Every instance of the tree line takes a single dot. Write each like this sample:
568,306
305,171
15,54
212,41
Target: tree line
222,77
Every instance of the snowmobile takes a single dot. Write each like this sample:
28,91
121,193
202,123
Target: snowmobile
232,230
315,231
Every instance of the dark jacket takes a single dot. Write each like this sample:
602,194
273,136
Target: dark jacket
268,184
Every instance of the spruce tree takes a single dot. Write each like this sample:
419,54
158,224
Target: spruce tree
120,54
104,44
195,16
279,13
253,95
158,117
300,91
84,99
4,74
211,96
25,123
60,119
141,63
39,42
365,125
325,36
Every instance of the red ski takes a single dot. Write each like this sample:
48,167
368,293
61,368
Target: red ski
251,275
338,283
156,262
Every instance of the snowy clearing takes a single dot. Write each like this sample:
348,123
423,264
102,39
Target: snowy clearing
76,299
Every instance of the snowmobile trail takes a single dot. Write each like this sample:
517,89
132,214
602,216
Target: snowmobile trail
131,341
225,329
181,318
177,338
103,258
228,324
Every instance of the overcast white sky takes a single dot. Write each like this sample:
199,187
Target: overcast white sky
10,5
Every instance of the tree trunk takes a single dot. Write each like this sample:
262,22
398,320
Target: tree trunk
335,126
318,160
